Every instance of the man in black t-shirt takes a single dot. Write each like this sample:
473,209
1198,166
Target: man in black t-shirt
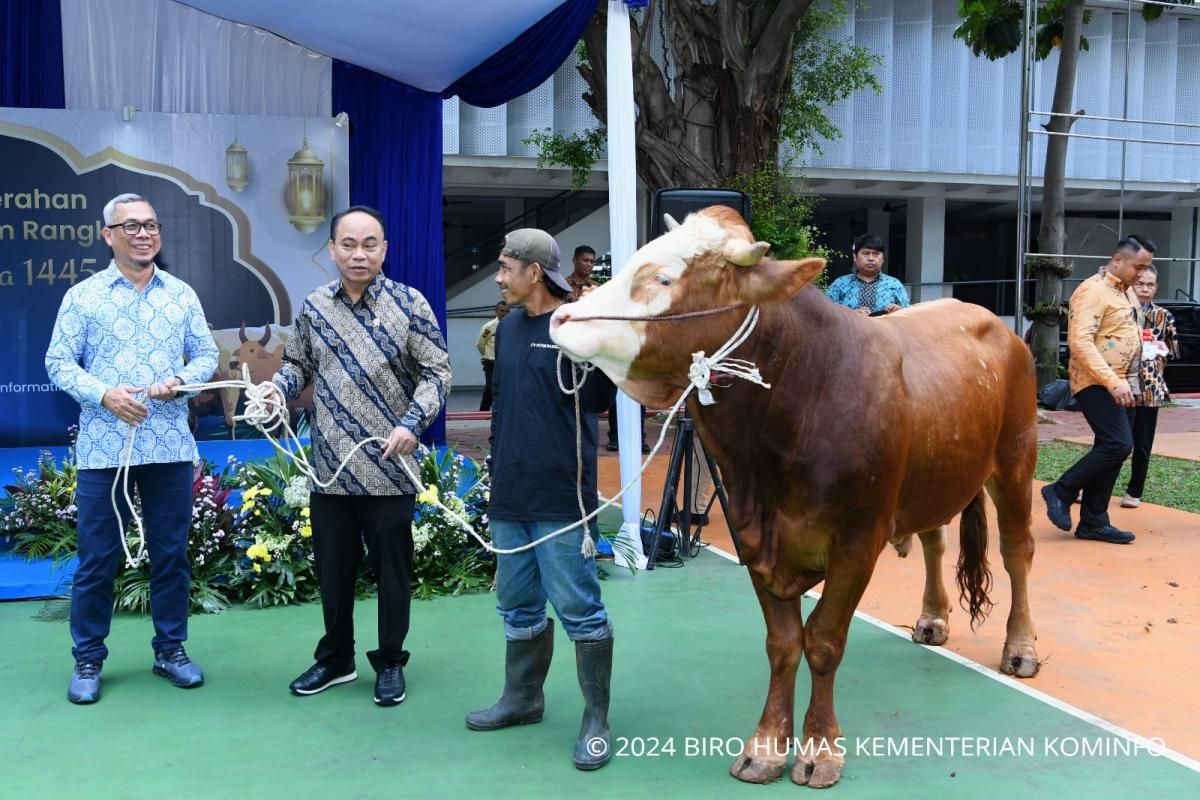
534,475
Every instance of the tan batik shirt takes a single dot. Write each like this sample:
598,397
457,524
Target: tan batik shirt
374,365
1103,335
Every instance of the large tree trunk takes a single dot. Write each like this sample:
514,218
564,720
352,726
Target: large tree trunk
1052,234
716,113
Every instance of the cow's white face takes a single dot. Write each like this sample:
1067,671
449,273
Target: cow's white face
708,262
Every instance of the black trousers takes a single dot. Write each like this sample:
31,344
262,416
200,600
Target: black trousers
341,525
485,404
1096,473
1145,421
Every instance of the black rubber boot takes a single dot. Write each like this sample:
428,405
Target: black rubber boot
593,662
526,663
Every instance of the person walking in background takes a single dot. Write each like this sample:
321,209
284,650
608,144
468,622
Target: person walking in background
486,344
124,339
1159,342
1105,343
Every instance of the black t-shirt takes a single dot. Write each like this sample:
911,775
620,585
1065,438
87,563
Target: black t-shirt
533,426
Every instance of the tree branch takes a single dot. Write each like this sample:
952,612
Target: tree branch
773,51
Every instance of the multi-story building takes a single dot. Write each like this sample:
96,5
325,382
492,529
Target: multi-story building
930,162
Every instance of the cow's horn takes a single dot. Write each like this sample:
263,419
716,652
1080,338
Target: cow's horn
266,336
743,253
671,223
242,332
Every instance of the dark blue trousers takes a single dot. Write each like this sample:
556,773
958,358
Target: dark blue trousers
166,495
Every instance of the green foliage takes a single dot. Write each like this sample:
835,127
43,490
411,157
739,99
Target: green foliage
255,549
780,215
825,71
1170,482
992,28
446,559
579,152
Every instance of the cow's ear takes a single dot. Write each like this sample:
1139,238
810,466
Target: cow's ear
775,281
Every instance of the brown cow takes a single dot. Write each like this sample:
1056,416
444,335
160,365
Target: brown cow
873,430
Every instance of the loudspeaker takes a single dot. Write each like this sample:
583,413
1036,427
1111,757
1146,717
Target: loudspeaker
681,202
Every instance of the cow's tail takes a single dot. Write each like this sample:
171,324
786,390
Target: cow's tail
973,576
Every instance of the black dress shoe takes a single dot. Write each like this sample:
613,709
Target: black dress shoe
389,685
611,447
1057,509
1105,533
320,677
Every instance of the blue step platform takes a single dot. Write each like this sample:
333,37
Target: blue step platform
21,579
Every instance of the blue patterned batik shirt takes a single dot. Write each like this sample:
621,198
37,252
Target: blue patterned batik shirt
852,292
107,334
375,364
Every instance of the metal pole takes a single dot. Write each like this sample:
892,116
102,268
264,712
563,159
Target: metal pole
1023,174
1125,115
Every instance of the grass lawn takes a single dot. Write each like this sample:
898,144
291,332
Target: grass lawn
1170,482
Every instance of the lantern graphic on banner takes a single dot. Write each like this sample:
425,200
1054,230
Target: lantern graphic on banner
305,193
237,166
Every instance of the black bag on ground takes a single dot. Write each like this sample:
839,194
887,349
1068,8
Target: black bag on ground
1057,396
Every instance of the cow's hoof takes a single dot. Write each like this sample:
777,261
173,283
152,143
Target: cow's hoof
817,774
1020,661
757,770
931,630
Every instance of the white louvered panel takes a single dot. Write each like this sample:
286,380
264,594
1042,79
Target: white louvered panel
1186,160
527,113
450,126
870,146
955,113
1160,57
910,96
483,131
1137,72
836,152
1009,129
1095,90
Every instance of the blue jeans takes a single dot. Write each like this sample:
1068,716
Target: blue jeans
554,569
166,493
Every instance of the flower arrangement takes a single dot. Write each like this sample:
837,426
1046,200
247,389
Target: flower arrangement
251,536
446,559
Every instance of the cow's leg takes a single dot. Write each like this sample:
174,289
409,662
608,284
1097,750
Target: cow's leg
819,762
1013,499
764,755
933,626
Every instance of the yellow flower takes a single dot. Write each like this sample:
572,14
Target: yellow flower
258,551
306,531
266,555
257,568
429,496
306,512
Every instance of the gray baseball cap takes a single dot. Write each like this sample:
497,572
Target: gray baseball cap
534,244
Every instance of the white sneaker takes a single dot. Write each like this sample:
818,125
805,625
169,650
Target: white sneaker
1130,502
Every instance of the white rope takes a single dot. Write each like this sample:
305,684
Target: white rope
266,411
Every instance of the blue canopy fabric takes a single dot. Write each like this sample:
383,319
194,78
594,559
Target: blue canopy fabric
31,54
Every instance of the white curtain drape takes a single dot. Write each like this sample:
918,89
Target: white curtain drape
622,223
158,55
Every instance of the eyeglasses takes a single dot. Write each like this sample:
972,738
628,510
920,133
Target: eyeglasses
131,227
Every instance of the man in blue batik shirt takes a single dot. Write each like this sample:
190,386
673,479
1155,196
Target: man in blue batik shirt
123,340
866,289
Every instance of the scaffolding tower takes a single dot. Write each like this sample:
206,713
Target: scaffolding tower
1028,130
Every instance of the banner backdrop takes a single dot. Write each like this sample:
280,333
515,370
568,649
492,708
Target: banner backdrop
250,241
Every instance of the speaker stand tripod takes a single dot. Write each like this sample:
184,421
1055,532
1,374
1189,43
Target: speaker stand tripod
681,465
